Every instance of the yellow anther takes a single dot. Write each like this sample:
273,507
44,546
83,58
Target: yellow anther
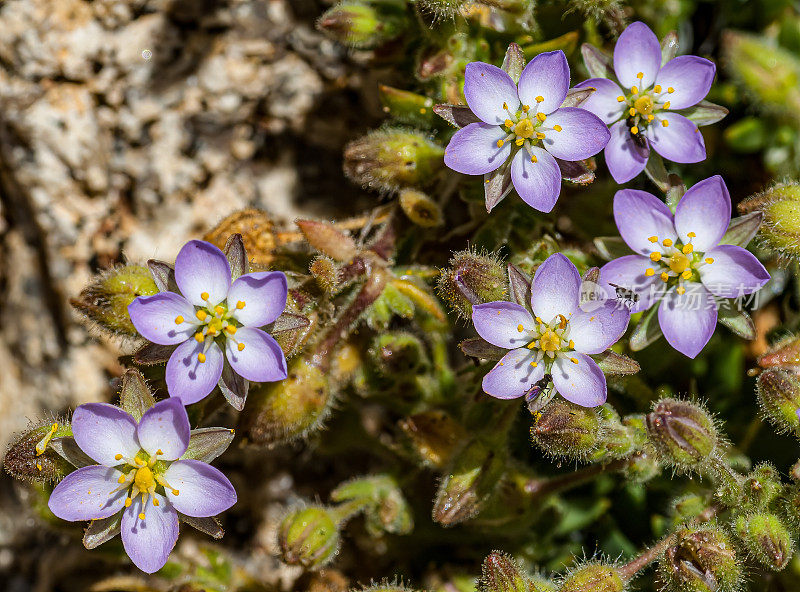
640,75
138,461
534,364
39,466
651,117
634,90
667,242
540,99
688,248
128,502
631,111
653,239
563,322
155,502
204,296
540,136
201,314
201,357
520,328
550,342
500,143
219,309
666,105
178,320
649,272
664,276
538,320
175,492
709,260
121,479
634,130
159,452
620,98
655,256
541,116
657,88
199,337
691,234
574,360
526,108
509,123
240,347
117,457
680,290
686,274
571,344
505,105
141,516
231,329
519,141
670,90
557,127
664,123
533,158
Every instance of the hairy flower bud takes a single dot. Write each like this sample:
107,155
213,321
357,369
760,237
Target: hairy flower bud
105,301
389,159
442,8
501,573
258,233
567,430
406,106
30,458
784,354
683,433
594,577
308,537
472,278
761,487
364,25
420,208
385,507
779,397
766,538
780,227
702,560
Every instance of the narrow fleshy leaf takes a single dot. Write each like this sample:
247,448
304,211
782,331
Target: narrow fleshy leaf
675,191
578,172
209,526
102,530
497,185
477,347
514,62
152,354
576,96
612,247
234,387
456,115
738,321
657,172
598,63
669,47
206,444
647,331
68,449
163,276
705,113
328,239
134,396
592,275
519,283
611,362
741,230
237,256
289,322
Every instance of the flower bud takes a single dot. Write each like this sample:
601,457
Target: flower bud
442,8
780,228
702,560
362,24
784,354
308,537
501,573
398,353
432,436
326,273
761,487
594,577
386,160
105,301
420,208
472,278
30,458
407,107
567,430
385,507
766,538
682,433
779,397
258,235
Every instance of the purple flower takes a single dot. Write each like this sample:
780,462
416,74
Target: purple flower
525,125
681,261
556,339
212,315
641,108
141,476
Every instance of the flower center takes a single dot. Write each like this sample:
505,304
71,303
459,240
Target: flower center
643,106
550,342
526,128
677,262
212,322
142,478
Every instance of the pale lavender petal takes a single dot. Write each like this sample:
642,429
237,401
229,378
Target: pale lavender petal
582,383
641,216
545,76
513,375
87,494
688,321
165,427
735,272
690,77
624,158
202,490
189,379
628,273
261,360
637,51
499,322
595,331
603,101
149,542
705,210
582,134
263,297
680,141
201,268
156,318
103,431
537,183
487,88
473,149
556,288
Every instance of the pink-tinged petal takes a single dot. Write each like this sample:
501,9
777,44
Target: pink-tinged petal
688,321
499,323
582,134
595,331
628,273
103,431
187,377
487,88
473,149
603,101
156,318
537,183
545,76
689,76
582,383
641,216
261,359
637,51
680,141
165,427
624,157
87,494
705,210
556,288
202,490
201,268
513,375
735,272
263,297
149,542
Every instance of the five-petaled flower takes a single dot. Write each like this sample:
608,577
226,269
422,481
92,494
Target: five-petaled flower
556,337
140,474
681,262
524,123
641,109
211,315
